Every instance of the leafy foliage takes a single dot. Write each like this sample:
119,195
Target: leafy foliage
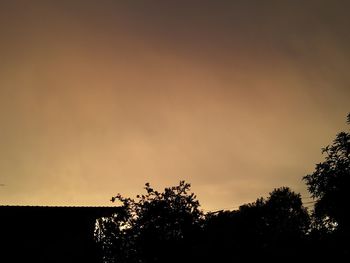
268,227
168,226
285,213
329,183
154,226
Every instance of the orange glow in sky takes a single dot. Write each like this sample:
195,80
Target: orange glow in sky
99,97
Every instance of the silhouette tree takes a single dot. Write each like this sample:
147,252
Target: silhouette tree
153,228
285,213
286,222
329,184
267,228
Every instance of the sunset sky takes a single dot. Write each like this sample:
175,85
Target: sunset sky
235,97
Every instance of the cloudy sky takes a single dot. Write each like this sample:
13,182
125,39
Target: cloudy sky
235,97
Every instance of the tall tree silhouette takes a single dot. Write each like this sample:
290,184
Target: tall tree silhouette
329,183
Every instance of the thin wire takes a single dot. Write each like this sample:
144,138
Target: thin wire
307,204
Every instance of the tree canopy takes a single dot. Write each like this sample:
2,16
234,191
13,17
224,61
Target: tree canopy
154,226
270,227
169,226
329,183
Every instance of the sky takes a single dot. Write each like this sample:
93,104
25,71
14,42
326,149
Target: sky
235,97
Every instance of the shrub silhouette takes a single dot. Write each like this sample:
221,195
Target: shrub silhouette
153,227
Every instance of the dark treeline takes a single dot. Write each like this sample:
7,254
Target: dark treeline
169,226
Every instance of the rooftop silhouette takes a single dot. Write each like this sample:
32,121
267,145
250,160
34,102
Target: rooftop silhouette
49,234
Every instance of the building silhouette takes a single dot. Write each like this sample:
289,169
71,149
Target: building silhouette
46,234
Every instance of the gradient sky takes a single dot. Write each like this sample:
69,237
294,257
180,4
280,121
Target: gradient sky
235,97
